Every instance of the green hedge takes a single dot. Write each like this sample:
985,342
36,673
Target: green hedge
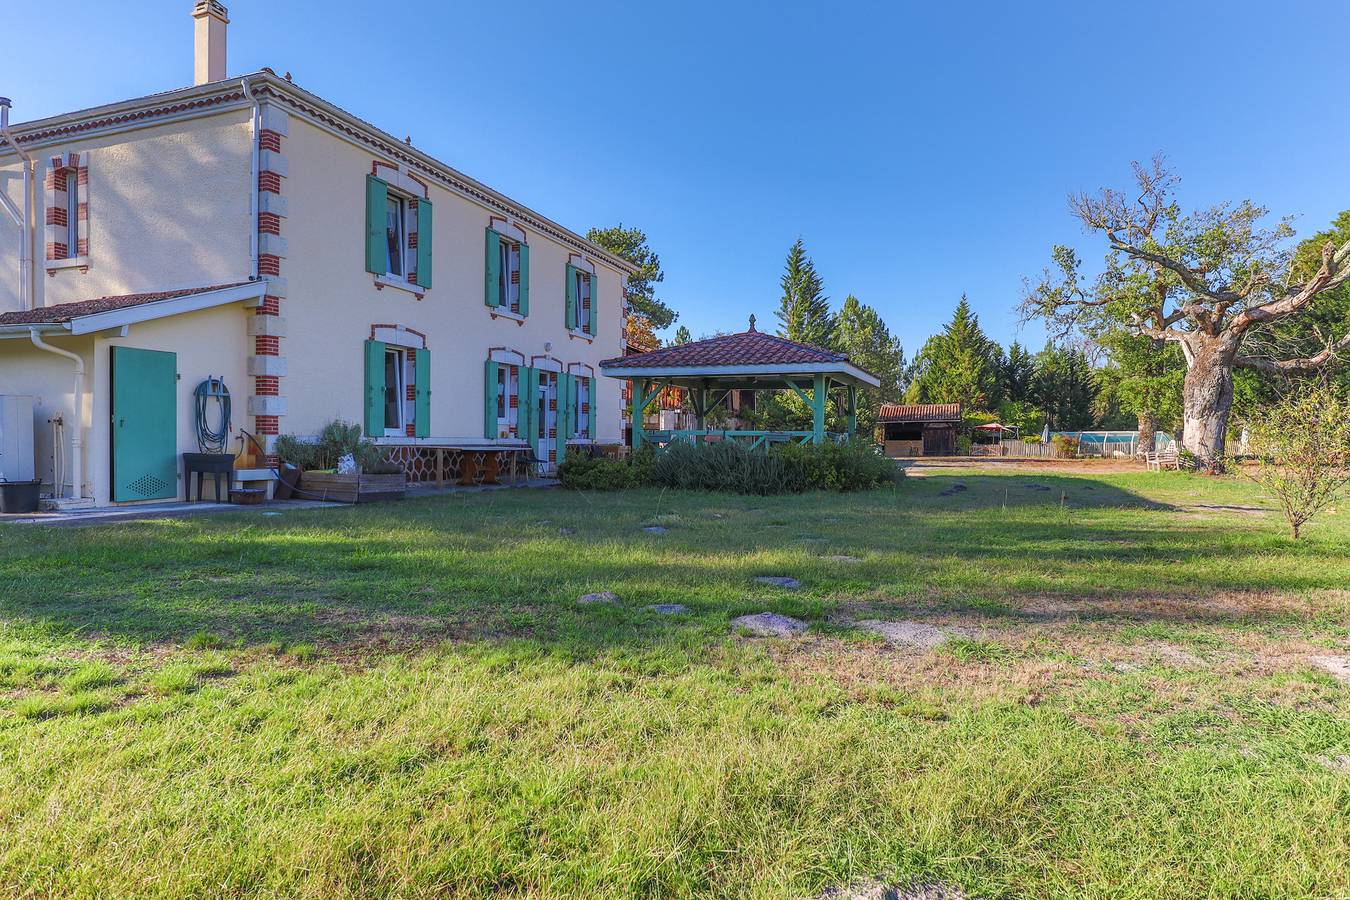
732,466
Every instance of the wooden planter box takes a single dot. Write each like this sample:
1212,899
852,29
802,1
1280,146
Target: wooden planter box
352,488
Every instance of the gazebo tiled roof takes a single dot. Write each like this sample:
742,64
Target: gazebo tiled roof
748,348
919,412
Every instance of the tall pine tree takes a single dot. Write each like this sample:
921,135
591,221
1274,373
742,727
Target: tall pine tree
804,312
960,365
861,333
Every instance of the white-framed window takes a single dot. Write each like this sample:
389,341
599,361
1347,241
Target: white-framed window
583,412
396,235
508,401
397,414
585,304
508,277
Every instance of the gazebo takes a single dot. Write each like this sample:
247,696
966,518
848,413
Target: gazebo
751,360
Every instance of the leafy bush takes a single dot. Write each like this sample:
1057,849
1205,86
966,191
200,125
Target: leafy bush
1066,446
844,466
732,466
335,440
601,473
1303,447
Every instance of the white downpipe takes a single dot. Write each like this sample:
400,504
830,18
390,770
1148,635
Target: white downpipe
256,126
27,295
77,423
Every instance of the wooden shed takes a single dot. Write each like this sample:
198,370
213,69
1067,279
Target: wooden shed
919,429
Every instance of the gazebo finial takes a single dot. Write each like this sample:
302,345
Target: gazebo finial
752,321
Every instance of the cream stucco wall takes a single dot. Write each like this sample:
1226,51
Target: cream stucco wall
168,208
332,302
207,342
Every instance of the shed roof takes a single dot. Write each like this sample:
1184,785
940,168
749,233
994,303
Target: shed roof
919,412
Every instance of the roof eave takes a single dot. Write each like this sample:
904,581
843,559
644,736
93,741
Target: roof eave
274,82
616,369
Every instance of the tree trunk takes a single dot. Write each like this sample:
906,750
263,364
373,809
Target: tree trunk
1148,429
1207,397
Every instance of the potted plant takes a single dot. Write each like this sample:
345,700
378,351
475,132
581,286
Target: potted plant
343,466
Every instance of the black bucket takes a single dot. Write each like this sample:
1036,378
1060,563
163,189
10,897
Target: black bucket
19,496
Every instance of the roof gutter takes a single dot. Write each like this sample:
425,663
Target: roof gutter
77,420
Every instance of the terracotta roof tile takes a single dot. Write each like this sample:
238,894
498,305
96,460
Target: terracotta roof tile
748,348
919,412
65,312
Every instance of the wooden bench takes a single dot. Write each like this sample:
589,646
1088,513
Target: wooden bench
1157,460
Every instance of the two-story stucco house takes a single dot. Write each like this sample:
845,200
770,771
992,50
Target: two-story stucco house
246,229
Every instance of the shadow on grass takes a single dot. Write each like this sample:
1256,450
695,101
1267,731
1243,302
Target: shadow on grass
500,566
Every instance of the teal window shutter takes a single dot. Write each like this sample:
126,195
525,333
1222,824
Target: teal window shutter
565,395
571,319
591,413
492,294
524,279
374,389
424,239
377,248
529,398
595,303
422,394
490,401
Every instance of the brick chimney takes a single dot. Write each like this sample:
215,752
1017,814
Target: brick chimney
210,17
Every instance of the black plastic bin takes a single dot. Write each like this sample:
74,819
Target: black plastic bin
19,496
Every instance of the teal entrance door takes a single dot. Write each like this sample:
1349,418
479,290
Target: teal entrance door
144,424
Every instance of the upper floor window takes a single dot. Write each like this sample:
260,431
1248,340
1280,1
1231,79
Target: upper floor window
67,219
508,274
507,271
580,300
398,231
395,232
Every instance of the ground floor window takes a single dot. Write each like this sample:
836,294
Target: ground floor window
508,401
581,421
398,390
546,418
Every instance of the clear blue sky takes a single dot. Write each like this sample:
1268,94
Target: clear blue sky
920,149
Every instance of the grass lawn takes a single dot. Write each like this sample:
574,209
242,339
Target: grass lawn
408,700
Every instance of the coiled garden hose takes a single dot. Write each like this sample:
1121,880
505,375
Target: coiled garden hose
212,440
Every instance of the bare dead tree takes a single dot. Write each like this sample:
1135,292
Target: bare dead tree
1209,281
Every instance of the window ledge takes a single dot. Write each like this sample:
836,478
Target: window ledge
580,335
73,262
498,312
400,284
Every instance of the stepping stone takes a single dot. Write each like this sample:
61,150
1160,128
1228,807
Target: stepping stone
1338,666
954,489
567,531
842,558
769,624
782,581
1340,763
873,889
1037,487
602,597
667,609
654,529
910,634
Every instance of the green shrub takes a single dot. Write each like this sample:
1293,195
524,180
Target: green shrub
1066,446
335,440
852,465
601,474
